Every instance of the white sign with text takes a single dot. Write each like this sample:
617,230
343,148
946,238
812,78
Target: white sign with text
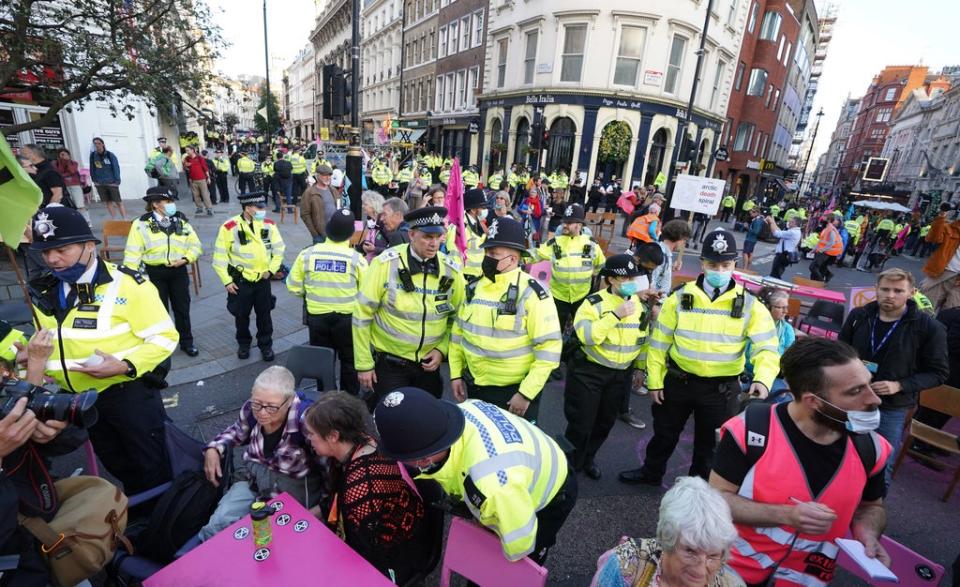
697,194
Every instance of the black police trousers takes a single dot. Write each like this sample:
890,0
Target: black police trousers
592,398
335,331
223,189
246,183
551,518
252,295
129,435
173,285
566,311
708,401
394,372
499,395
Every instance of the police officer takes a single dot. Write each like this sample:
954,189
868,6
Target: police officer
112,332
445,174
612,326
408,298
163,243
320,160
247,252
404,176
245,170
511,475
381,176
221,166
506,340
471,177
494,180
575,259
328,276
267,176
299,170
696,355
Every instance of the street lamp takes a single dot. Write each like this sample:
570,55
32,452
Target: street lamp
806,162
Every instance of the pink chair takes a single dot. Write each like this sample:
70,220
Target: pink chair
92,468
475,553
912,569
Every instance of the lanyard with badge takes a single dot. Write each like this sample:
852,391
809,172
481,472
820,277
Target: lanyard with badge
874,347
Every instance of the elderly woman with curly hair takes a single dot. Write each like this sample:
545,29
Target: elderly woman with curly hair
694,535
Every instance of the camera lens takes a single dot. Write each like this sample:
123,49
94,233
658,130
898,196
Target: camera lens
73,408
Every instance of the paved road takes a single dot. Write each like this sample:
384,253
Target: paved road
207,392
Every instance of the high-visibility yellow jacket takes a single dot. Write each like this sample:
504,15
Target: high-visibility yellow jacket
328,276
748,205
405,175
853,229
729,202
505,470
886,224
406,324
802,213
259,249
494,181
246,165
608,340
705,339
470,178
504,345
474,253
775,210
150,244
811,240
221,164
123,317
317,163
790,214
298,163
444,175
266,169
381,174
513,179
560,181
575,260
8,336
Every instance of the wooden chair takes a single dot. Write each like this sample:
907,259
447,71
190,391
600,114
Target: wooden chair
284,210
943,399
593,217
793,310
604,245
607,223
114,228
195,277
797,280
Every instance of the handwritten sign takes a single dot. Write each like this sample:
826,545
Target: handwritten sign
698,194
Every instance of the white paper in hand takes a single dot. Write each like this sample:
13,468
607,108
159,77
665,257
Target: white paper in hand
872,566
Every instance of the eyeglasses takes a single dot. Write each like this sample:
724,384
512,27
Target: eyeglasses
693,557
258,407
779,307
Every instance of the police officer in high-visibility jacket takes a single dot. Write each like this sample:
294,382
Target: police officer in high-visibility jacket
111,334
221,166
696,355
245,171
247,253
299,171
407,301
575,260
612,327
494,180
511,475
471,177
162,243
328,276
404,177
506,340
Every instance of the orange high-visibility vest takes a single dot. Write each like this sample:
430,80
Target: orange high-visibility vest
640,228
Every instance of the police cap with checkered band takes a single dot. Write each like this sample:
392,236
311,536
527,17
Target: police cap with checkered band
622,265
429,219
413,424
719,245
57,226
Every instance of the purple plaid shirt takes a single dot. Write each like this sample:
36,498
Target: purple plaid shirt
292,457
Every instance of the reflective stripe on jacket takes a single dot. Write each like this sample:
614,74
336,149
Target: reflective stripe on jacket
149,245
328,276
575,260
608,340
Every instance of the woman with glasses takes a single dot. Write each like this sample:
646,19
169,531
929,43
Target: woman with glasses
778,302
277,456
694,535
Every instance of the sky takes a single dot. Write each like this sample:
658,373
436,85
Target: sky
868,35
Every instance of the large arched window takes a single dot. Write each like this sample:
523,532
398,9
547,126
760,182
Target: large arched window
563,134
658,150
496,145
522,141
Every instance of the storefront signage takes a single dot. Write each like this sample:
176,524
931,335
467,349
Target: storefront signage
48,136
621,103
722,154
473,127
544,68
540,99
751,164
698,194
448,121
652,77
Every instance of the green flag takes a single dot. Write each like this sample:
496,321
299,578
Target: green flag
661,180
19,195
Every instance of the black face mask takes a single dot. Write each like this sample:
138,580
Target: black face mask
489,267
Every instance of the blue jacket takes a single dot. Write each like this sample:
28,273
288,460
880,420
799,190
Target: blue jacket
104,168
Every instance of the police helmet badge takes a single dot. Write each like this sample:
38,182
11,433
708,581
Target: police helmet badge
568,211
393,399
494,227
719,244
44,226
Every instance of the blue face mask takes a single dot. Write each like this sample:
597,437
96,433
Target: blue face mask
719,279
628,289
259,215
169,208
73,273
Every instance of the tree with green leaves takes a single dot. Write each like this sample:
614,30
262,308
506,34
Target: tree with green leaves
230,121
615,142
272,121
68,53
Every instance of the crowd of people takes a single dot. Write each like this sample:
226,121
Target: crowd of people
410,286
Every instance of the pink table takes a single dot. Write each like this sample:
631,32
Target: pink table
302,549
755,283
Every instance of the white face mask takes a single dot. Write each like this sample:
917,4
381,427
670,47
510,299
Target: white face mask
858,421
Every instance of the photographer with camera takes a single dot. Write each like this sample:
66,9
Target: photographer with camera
113,336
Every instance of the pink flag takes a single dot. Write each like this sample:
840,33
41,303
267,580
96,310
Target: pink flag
454,203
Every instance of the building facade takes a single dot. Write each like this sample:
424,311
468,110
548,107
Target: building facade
461,48
878,106
381,29
769,85
331,45
419,67
612,69
300,96
829,171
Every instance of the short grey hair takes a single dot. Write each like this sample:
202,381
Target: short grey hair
372,199
276,378
778,294
698,514
396,205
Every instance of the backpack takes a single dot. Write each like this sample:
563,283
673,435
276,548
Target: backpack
178,515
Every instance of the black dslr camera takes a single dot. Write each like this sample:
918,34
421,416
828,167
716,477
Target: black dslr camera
73,408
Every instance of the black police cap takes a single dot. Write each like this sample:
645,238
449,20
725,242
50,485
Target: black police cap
56,226
413,424
719,245
340,226
474,198
258,199
574,213
622,265
505,232
159,192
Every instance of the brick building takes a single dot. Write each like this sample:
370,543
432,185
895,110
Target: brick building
419,65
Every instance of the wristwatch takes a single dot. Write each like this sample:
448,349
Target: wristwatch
131,369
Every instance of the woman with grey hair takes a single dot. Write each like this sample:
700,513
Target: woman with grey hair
278,457
694,535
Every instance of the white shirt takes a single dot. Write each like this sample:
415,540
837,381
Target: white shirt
954,264
789,239
87,277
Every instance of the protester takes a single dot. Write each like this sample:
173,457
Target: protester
277,455
754,230
944,265
673,237
695,532
828,250
318,204
903,348
105,175
785,253
69,170
799,475
199,175
47,178
389,230
700,222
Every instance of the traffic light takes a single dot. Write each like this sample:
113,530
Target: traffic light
329,75
338,99
348,105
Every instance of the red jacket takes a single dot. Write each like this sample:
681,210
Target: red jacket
196,167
